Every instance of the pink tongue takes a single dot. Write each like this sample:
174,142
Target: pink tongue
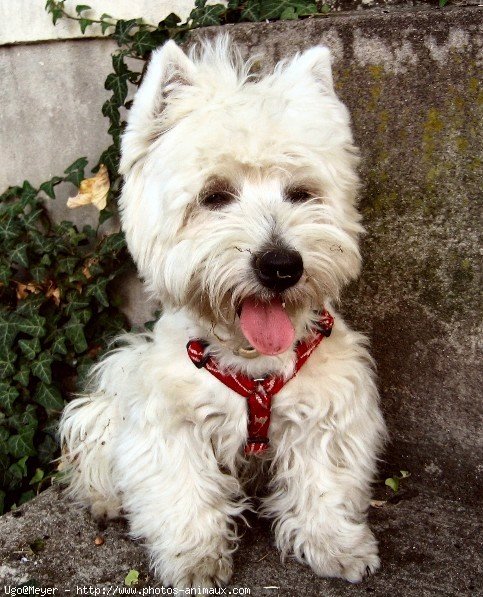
266,326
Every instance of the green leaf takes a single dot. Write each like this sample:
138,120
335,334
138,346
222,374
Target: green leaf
75,172
74,332
25,497
143,42
48,187
33,326
58,346
252,11
171,21
41,367
112,243
205,16
393,483
122,31
27,419
110,109
23,375
289,14
10,230
8,394
29,347
83,24
39,273
49,397
110,158
5,274
38,476
7,363
81,8
325,8
67,264
9,328
98,291
30,220
131,578
118,85
29,306
21,444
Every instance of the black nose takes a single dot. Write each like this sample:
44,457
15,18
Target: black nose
279,269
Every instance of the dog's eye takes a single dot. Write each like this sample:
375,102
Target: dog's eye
217,199
298,195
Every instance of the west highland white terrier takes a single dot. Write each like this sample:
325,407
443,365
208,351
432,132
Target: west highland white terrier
239,208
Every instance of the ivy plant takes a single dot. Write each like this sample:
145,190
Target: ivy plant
55,316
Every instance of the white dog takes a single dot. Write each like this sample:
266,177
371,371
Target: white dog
239,209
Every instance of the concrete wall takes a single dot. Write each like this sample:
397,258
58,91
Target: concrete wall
27,21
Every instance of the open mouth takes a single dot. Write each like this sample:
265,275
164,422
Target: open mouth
266,325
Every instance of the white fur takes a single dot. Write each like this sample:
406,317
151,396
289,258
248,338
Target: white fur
163,440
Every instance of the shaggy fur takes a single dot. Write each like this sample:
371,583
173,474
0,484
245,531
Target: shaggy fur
163,441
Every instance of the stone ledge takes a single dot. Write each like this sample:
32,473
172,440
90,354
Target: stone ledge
429,546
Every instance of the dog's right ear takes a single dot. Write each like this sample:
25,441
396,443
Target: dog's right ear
169,69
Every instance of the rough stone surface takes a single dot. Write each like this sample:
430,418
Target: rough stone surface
429,546
411,81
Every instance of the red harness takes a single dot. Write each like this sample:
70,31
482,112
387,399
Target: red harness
259,392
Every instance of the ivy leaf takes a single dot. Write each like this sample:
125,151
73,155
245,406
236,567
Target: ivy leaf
21,445
7,363
75,172
5,274
289,14
26,419
33,326
29,306
29,347
83,24
58,346
122,31
75,334
38,476
171,21
28,194
112,243
110,157
252,11
39,273
67,265
30,220
10,230
48,187
23,375
81,8
8,330
110,109
204,16
19,255
41,367
143,42
8,394
98,291
118,85
48,396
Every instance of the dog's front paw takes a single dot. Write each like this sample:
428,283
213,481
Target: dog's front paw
351,558
211,571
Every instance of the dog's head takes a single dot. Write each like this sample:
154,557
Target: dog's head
239,194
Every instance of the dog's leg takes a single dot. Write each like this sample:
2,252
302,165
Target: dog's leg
323,467
87,428
179,502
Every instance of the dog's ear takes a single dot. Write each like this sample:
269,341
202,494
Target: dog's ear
169,69
316,63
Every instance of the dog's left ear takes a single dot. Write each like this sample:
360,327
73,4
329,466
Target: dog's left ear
169,68
315,63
